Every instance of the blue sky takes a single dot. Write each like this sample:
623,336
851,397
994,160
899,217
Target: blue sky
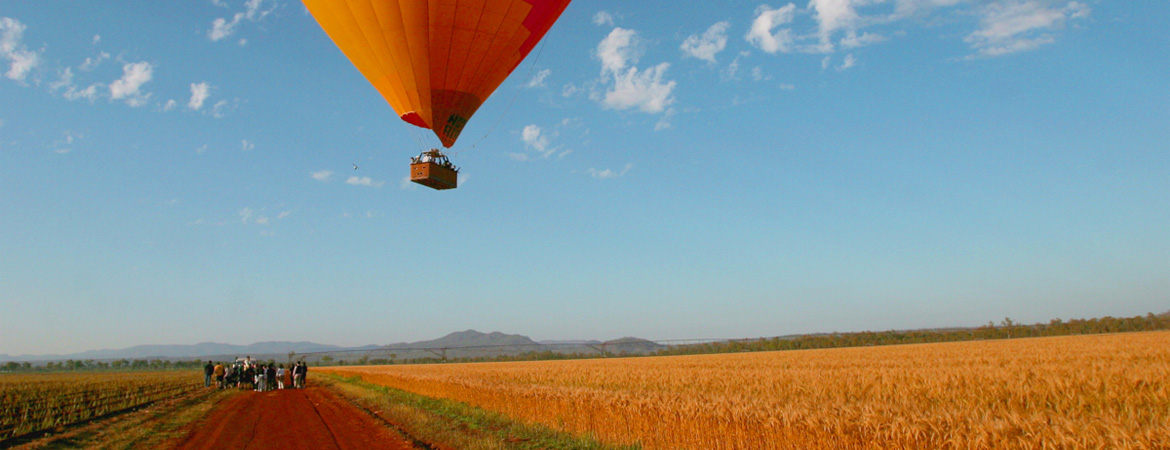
180,172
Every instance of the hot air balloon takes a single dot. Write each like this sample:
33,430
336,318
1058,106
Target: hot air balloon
436,61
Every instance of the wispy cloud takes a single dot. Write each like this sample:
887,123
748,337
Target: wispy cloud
254,11
223,107
535,140
1016,25
609,173
364,181
538,79
848,63
65,143
20,60
707,45
603,18
323,175
246,145
92,63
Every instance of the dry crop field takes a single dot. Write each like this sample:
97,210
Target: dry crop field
1077,392
35,402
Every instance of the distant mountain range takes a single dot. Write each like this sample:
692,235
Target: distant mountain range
463,344
468,343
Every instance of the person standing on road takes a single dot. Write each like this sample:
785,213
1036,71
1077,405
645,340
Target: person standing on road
218,370
270,373
208,371
298,375
260,378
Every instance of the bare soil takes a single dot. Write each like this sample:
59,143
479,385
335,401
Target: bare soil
289,419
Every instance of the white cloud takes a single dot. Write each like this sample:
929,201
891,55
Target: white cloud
643,90
849,62
532,138
93,63
323,175
262,220
833,15
21,61
66,80
134,75
854,41
246,214
283,214
664,122
201,150
253,12
364,181
759,75
617,50
199,93
761,36
247,145
222,107
89,93
1013,26
170,105
707,45
906,8
65,144
732,70
603,18
569,90
608,173
97,38
629,87
538,79
221,28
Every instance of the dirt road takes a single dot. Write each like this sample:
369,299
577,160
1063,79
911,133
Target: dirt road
311,418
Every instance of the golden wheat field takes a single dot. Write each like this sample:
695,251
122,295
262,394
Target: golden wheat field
1079,392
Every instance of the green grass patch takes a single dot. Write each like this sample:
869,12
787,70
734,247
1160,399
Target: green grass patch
442,424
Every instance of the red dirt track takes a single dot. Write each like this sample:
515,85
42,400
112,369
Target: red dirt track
311,418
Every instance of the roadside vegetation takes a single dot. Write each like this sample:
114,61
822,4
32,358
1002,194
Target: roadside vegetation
89,365
436,423
105,410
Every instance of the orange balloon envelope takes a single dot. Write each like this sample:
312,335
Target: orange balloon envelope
436,61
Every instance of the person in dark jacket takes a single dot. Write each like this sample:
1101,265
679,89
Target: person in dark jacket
270,373
208,370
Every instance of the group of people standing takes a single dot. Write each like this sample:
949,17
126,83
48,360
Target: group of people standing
247,374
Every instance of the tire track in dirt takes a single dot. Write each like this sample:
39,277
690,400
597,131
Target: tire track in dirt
311,418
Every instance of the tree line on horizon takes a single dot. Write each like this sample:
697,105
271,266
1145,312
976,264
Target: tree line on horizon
1006,329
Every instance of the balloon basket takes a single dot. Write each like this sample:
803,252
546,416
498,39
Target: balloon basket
433,175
